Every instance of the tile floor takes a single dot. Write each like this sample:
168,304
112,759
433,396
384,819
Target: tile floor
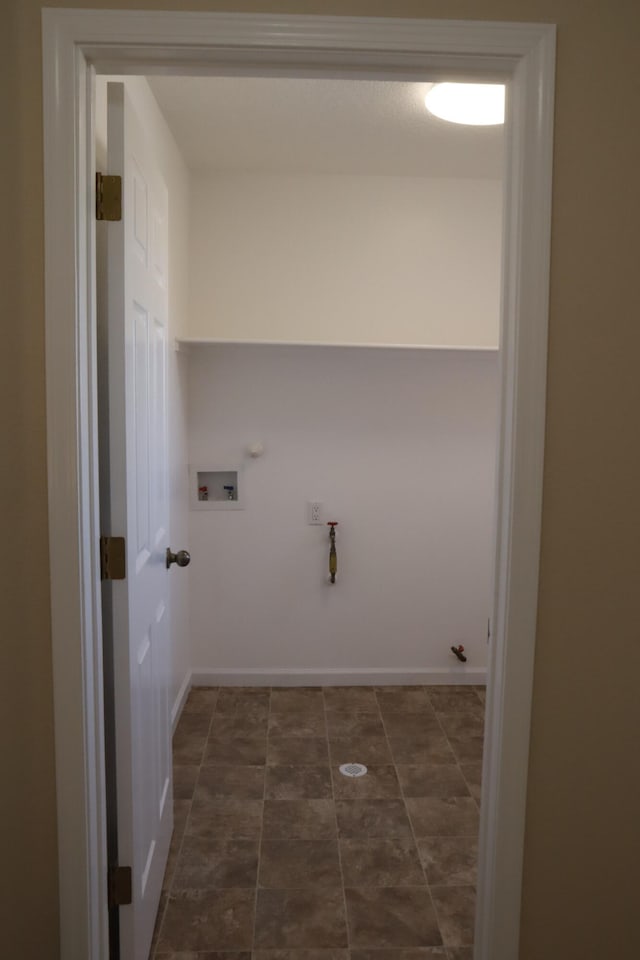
275,853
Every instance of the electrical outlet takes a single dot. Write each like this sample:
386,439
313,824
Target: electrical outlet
314,512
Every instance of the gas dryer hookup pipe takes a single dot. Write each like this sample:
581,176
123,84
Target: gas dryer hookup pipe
333,556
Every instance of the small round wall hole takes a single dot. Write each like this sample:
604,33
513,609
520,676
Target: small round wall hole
353,769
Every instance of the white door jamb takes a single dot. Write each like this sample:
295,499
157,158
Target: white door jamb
75,42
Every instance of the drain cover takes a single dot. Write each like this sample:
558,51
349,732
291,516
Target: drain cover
353,769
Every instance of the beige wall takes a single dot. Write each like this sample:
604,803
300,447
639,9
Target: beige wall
580,878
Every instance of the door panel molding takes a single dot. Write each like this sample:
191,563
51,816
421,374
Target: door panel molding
137,507
77,42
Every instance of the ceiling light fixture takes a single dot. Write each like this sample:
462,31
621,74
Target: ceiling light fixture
476,104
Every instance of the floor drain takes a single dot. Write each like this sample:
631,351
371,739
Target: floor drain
353,769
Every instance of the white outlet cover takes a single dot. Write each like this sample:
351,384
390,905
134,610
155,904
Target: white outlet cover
315,509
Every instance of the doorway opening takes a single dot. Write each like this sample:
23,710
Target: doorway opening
336,260
512,403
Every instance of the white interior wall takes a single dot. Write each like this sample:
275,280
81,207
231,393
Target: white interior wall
176,177
298,259
345,259
400,447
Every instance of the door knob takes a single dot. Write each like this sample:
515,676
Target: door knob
182,558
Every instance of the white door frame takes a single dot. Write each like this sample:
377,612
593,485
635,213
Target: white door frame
75,42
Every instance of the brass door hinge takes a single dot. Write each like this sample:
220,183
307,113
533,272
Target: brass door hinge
112,558
119,886
108,197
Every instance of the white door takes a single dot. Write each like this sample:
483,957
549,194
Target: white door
137,333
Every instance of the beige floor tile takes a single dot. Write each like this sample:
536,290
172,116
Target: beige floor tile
297,751
443,816
381,863
225,818
299,863
399,953
299,820
432,780
184,781
352,723
205,864
200,700
450,860
235,782
208,920
455,907
241,751
239,726
288,782
372,819
391,917
350,698
266,824
432,747
301,919
294,723
467,750
367,750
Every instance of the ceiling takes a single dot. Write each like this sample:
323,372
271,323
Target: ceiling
320,126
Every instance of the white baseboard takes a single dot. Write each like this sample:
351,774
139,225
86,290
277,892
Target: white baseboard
323,677
180,700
